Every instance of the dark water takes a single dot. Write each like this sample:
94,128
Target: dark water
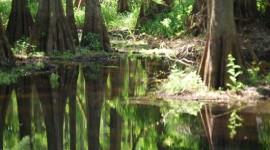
106,105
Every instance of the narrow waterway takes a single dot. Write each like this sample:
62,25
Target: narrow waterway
107,105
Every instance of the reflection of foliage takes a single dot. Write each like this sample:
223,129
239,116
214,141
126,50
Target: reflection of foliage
175,108
54,80
139,121
93,72
140,79
11,76
12,123
234,122
180,122
24,144
8,77
264,130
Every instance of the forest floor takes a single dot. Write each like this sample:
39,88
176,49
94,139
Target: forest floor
254,41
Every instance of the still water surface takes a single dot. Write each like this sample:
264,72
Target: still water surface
106,105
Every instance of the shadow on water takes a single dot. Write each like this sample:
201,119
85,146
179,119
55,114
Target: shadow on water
106,105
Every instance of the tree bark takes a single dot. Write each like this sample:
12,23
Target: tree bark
94,24
122,6
221,41
20,21
51,31
71,20
246,9
5,49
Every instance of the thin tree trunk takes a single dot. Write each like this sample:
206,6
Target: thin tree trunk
71,20
122,6
79,3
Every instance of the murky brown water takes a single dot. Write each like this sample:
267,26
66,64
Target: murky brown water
105,105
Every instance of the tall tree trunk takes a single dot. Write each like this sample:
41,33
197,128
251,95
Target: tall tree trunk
221,41
71,20
122,6
20,21
5,49
94,25
51,31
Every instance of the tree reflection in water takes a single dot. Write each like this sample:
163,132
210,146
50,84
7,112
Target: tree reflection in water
106,105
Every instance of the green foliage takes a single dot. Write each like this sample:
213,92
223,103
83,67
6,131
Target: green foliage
180,80
261,5
234,121
117,21
180,123
93,39
65,54
234,71
79,14
267,79
253,75
256,76
24,144
264,130
54,80
5,7
8,77
170,23
23,46
33,7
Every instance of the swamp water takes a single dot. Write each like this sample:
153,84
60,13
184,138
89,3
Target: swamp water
106,105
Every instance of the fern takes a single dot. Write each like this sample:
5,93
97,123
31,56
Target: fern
24,144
